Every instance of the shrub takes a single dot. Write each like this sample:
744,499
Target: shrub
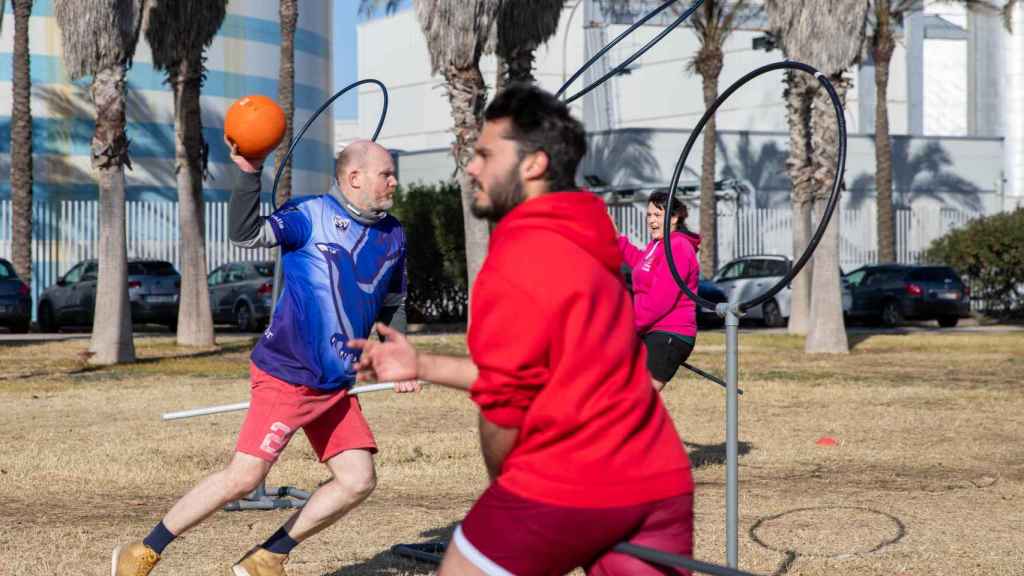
436,257
989,253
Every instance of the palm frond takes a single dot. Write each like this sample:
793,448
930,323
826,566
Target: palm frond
179,29
98,34
827,34
526,24
457,31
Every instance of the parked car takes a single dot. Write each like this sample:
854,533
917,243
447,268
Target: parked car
750,276
893,293
240,294
15,300
705,289
747,277
153,290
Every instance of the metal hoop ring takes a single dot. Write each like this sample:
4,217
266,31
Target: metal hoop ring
833,199
338,94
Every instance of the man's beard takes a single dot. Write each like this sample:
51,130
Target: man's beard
504,196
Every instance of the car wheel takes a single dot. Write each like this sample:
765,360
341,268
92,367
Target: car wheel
47,322
891,315
771,314
243,318
948,321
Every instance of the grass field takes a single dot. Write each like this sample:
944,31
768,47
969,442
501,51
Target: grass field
927,476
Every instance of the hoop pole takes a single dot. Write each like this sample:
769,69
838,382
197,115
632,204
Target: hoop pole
732,511
245,405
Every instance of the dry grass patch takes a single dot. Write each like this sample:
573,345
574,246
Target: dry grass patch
928,475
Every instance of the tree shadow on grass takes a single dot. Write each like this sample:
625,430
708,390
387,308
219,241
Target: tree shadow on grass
711,454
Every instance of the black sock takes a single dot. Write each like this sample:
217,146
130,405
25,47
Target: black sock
280,542
159,538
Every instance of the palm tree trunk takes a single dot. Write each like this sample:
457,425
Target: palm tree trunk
21,146
827,332
799,95
112,325
520,65
195,322
709,65
500,74
289,15
467,95
882,52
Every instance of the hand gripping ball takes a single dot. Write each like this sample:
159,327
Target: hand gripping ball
255,124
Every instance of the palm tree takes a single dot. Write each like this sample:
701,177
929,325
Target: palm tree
885,14
289,16
99,39
827,34
457,34
523,26
713,24
21,145
179,31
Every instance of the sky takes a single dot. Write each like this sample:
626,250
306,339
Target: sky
346,17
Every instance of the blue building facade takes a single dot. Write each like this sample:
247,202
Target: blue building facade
243,59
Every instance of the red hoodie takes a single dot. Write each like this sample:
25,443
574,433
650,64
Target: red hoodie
552,333
658,302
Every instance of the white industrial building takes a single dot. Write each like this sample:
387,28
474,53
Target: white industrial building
956,106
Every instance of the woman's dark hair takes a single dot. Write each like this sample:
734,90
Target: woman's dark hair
679,209
541,122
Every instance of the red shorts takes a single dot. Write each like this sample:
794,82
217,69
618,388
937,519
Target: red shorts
507,534
333,421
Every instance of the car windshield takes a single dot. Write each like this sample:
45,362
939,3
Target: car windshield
151,268
933,274
6,271
265,269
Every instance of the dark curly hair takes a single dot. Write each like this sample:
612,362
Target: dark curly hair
541,122
679,209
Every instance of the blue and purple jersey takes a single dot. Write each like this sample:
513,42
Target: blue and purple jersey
339,273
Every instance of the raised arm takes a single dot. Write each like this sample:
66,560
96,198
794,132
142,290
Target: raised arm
246,228
631,254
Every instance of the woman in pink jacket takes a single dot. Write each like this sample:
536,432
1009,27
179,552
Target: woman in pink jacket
665,318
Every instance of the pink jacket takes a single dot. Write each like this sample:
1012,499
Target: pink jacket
658,303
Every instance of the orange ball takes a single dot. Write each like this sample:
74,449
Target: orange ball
255,124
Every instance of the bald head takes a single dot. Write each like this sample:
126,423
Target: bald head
366,175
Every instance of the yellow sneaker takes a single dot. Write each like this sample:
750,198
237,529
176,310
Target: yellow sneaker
135,559
260,562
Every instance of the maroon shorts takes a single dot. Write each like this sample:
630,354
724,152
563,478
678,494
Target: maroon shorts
332,421
508,534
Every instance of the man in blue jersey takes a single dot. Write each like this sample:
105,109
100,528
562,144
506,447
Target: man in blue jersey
343,264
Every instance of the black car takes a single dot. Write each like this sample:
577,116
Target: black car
240,294
153,290
705,289
893,293
15,300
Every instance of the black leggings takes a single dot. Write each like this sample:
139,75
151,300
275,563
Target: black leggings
666,352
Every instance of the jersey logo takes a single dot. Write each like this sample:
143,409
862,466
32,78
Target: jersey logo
341,223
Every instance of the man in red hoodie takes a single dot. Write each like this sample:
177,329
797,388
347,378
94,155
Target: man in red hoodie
582,452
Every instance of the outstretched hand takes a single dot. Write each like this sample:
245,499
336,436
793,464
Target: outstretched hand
394,360
244,163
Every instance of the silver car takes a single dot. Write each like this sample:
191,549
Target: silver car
748,277
240,294
153,291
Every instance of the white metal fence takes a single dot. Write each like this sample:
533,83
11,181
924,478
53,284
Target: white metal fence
746,232
65,233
